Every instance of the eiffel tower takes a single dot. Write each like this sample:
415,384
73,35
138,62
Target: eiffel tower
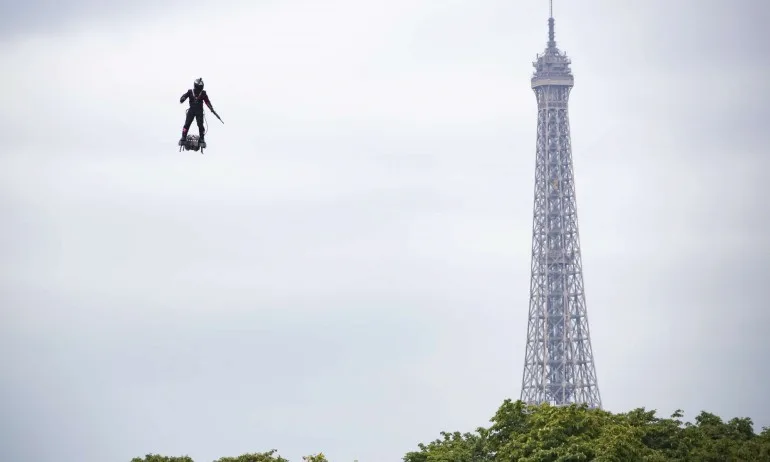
558,365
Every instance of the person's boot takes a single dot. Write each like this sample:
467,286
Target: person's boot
183,138
202,141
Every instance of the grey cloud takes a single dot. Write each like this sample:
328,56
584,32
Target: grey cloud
49,16
53,17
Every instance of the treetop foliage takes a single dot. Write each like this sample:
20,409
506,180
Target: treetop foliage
544,433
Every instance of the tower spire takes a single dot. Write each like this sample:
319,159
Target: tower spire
552,67
551,41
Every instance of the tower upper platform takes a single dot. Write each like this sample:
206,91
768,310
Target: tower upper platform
553,66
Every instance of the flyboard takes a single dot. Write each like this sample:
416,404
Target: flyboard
192,143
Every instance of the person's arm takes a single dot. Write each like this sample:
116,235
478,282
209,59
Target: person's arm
184,97
208,102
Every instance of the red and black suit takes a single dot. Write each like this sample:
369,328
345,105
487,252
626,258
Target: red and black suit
197,98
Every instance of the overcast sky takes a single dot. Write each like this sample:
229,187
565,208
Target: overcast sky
346,269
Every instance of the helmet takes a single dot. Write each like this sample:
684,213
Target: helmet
198,86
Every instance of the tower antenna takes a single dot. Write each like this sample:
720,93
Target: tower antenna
551,41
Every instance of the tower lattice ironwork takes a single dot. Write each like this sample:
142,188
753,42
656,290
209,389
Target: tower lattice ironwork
559,365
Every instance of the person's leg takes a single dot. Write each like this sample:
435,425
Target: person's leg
187,122
201,129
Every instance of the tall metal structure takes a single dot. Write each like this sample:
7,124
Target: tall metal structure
559,365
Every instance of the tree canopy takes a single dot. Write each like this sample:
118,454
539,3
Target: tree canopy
269,456
544,433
